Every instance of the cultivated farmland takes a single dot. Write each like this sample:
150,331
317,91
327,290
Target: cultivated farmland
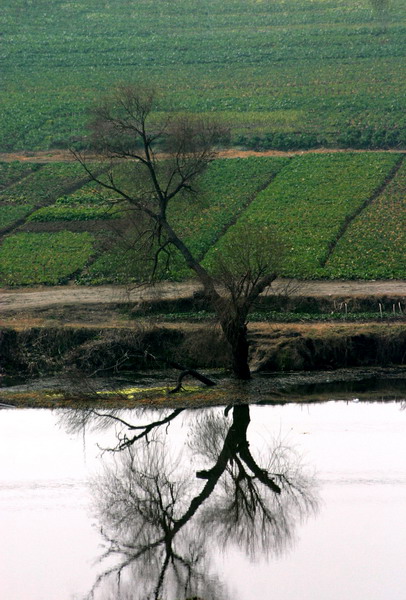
374,245
43,257
283,74
336,215
308,204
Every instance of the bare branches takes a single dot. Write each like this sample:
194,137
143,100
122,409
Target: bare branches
163,160
248,262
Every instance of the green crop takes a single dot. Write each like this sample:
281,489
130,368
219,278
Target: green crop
28,258
13,171
374,245
337,215
307,72
45,184
10,213
73,212
308,203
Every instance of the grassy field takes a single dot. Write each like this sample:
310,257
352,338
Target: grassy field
284,74
337,215
43,257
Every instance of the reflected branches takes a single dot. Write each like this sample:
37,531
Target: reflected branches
256,505
159,515
75,420
140,504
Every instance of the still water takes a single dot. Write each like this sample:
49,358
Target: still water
298,502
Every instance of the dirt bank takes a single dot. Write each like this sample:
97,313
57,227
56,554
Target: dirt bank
273,347
51,330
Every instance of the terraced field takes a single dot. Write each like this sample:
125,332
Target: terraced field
283,74
337,215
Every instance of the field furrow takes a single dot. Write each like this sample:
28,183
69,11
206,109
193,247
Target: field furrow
374,246
307,204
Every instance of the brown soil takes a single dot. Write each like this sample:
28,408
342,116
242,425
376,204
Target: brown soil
46,156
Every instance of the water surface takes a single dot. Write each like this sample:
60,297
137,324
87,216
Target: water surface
344,539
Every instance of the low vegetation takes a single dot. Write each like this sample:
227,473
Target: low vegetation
46,258
374,244
44,185
285,74
13,171
10,213
338,215
309,203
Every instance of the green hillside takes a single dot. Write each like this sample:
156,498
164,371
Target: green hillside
337,215
288,73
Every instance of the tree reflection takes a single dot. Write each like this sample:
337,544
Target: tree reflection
160,515
256,507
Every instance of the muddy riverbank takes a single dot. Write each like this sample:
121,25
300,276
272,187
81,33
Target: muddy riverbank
109,332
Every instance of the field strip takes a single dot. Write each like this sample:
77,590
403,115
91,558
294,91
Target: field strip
70,189
346,224
252,197
17,181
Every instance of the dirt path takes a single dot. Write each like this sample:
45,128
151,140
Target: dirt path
46,156
24,299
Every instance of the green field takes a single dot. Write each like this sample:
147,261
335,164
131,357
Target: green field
284,74
375,243
336,215
308,203
43,257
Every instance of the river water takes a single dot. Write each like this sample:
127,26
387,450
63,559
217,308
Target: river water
297,502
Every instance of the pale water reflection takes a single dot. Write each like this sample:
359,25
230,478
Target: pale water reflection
353,548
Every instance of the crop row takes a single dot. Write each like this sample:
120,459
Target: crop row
84,204
374,245
326,66
307,204
61,212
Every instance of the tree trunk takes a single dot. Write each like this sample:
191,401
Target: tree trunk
236,335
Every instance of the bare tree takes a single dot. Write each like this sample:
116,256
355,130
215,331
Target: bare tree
163,160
